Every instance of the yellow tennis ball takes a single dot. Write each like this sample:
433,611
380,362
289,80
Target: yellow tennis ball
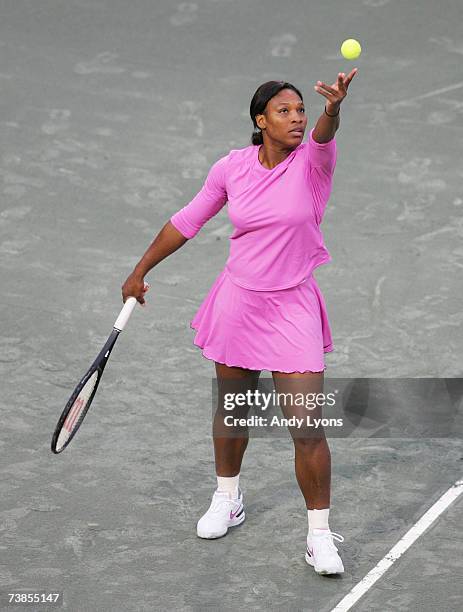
351,49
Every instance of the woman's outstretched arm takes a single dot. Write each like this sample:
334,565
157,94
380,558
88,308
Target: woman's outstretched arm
326,126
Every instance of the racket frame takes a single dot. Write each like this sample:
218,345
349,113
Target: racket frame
98,365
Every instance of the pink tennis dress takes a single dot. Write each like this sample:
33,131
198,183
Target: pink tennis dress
265,310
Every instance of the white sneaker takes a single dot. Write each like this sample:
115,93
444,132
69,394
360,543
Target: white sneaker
322,553
224,512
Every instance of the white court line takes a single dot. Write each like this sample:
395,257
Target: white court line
426,95
396,551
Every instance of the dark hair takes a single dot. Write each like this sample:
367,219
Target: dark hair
263,94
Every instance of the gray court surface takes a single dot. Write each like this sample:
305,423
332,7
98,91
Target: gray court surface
111,115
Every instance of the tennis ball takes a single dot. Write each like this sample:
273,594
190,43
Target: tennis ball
351,49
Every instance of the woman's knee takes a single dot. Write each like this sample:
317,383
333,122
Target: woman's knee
309,442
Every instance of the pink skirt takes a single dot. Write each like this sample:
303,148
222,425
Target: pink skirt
285,330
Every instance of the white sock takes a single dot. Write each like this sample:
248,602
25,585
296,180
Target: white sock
228,484
318,519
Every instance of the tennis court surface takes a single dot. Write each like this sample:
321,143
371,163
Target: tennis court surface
111,115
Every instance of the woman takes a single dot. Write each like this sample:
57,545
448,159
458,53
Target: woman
265,310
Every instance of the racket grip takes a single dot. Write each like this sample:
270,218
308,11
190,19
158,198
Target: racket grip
125,313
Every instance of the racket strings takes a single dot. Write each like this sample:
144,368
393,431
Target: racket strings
73,419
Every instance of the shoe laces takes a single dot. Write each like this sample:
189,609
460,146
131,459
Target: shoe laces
220,498
336,536
330,536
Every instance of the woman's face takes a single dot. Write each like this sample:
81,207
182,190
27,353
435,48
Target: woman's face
284,113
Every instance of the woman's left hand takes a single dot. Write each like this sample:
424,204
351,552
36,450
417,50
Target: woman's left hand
337,92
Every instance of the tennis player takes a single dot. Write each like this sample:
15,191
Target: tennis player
265,310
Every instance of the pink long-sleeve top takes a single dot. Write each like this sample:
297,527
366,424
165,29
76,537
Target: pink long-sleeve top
277,241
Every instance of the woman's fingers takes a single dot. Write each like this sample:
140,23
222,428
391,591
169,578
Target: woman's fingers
324,91
341,85
350,76
327,95
341,82
335,98
146,287
327,88
338,91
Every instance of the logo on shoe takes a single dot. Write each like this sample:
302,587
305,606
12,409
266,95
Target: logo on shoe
233,514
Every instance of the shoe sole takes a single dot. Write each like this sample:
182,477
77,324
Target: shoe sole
322,572
213,536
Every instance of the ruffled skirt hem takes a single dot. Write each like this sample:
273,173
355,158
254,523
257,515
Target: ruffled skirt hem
268,367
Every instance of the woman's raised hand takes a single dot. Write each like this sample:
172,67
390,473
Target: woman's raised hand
336,93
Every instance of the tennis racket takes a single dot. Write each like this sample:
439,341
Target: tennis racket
78,404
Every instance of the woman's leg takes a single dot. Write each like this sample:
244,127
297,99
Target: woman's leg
313,465
231,442
227,509
312,454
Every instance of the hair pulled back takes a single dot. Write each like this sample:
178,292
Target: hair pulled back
263,94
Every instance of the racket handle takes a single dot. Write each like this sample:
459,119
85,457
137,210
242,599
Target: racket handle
127,310
125,313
